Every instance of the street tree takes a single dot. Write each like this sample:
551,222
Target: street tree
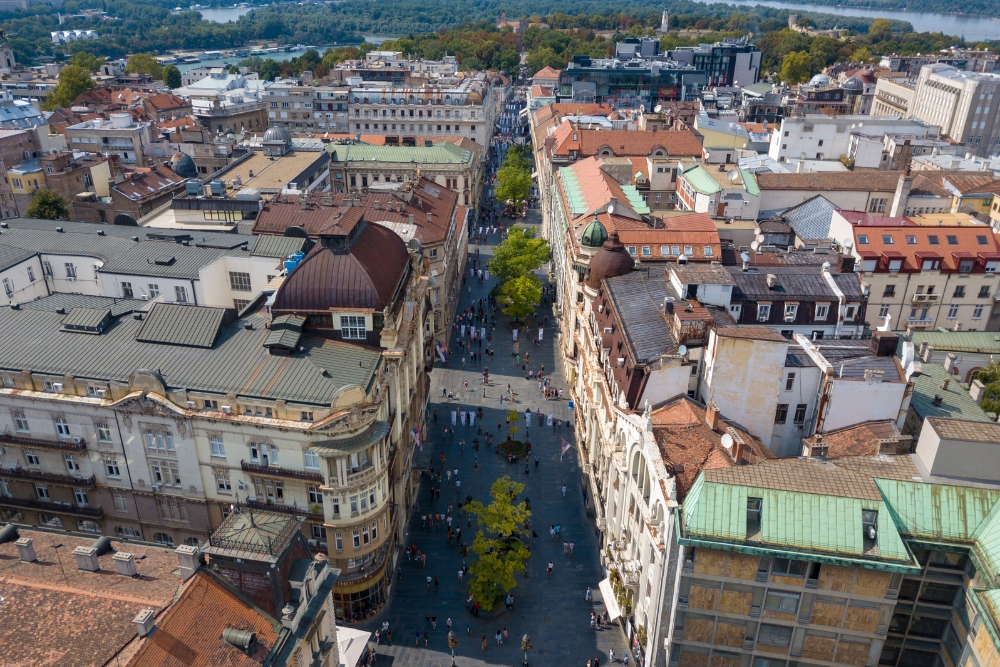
48,205
73,80
144,63
513,184
172,76
520,253
796,67
862,55
520,296
500,551
87,61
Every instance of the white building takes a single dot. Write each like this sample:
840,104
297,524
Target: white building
67,36
817,136
962,104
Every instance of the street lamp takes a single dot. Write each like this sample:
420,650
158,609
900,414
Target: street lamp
526,646
452,643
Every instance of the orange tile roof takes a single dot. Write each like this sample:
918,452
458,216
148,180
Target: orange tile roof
857,440
190,632
936,242
547,73
624,142
541,91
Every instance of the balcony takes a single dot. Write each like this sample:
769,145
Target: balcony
367,571
925,298
48,506
281,473
316,517
55,478
75,445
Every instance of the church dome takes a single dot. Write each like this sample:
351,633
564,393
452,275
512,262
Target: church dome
277,135
182,165
611,261
854,85
819,80
594,234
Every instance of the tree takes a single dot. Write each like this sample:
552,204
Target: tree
796,67
862,55
880,29
73,80
87,61
144,63
172,76
269,69
512,184
520,253
519,296
805,22
48,205
501,554
990,377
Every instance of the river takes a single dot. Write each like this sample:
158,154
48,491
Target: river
972,28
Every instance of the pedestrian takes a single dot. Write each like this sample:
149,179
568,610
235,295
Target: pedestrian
434,622
552,532
429,580
436,583
468,627
448,623
460,573
484,643
427,638
625,660
564,490
549,569
417,639
588,596
499,637
611,654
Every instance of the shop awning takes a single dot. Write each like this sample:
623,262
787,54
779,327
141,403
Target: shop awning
610,600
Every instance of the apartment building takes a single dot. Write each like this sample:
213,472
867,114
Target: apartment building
119,135
94,444
827,137
722,191
893,96
960,103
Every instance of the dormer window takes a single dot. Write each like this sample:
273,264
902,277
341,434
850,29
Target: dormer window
754,506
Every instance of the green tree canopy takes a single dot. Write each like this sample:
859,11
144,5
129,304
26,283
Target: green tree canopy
796,67
73,80
519,296
990,377
500,551
47,204
172,77
520,253
87,61
880,29
862,55
513,184
144,63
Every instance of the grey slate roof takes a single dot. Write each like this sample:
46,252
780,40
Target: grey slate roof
85,318
220,239
167,259
65,243
355,443
71,301
181,325
803,283
276,246
237,362
811,219
956,402
638,299
851,358
12,256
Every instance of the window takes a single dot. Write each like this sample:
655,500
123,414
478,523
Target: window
790,310
211,405
890,290
959,292
21,422
162,441
645,251
311,459
352,327
708,251
977,312
180,294
239,281
877,205
862,239
952,311
338,541
319,532
306,416
965,266
50,521
631,250
315,497
887,239
103,432
240,304
218,447
792,568
70,270
81,497
154,290
781,414
800,414
32,457
932,239
263,453
169,508
763,312
126,290
71,463
951,239
366,536
47,268
42,491
774,635
336,506
911,239
849,313
984,292
111,466
163,538
222,481
789,381
374,531
8,287
688,250
981,239
62,428
31,274
354,504
357,538
787,603
883,311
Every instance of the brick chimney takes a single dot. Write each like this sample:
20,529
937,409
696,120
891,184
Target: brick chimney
712,415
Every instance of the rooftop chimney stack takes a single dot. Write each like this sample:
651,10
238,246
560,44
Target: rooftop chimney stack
712,415
189,558
125,564
86,559
26,549
144,621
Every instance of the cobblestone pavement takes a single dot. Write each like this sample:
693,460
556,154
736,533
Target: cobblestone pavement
552,610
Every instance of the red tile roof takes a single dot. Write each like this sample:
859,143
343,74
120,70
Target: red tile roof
146,182
867,439
546,73
190,632
950,244
587,142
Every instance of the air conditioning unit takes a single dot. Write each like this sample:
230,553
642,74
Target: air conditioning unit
621,361
191,405
313,543
241,486
77,439
102,393
226,409
762,318
155,487
70,279
322,544
608,330
144,297
57,386
789,318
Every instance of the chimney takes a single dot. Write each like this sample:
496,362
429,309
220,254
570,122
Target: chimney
938,399
86,559
26,548
411,219
976,391
902,194
945,383
144,622
949,361
799,167
189,558
125,564
772,281
928,354
712,415
430,217
378,204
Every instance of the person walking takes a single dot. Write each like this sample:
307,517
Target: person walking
588,596
625,660
484,643
448,623
611,654
564,490
468,627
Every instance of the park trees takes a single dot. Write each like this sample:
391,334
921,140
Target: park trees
500,551
796,67
48,205
144,63
519,296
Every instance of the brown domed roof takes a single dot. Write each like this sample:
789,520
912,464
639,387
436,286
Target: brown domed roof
611,261
364,274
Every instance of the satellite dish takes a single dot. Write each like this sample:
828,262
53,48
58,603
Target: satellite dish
757,231
658,108
414,244
611,209
682,350
733,175
760,238
727,441
754,245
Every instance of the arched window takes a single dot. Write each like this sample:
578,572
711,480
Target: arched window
126,531
163,538
192,542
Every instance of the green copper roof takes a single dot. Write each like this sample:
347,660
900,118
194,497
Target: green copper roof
955,400
983,342
594,234
750,183
574,195
635,200
826,527
701,180
937,512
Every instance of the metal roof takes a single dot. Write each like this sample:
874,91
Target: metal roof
701,180
438,153
638,299
167,259
805,283
12,256
68,302
956,402
276,246
191,326
237,362
811,219
86,319
65,243
982,342
937,512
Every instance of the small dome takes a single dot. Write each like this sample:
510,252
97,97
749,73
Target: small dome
182,165
867,75
819,80
277,135
611,261
594,234
854,84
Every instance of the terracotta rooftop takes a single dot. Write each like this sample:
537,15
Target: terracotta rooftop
868,181
546,73
913,245
858,440
146,182
55,614
587,142
685,439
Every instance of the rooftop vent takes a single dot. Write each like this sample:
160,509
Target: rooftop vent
26,549
125,564
243,640
938,399
8,533
86,559
144,621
